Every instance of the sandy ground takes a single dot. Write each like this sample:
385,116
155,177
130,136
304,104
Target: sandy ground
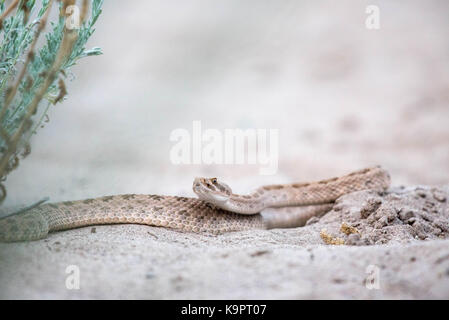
395,258
395,245
343,97
137,262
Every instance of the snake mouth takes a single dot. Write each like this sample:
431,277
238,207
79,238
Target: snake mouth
212,197
210,190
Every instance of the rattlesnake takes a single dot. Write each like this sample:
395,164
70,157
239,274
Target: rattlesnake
217,210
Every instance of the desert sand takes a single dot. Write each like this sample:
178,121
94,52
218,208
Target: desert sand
343,98
397,248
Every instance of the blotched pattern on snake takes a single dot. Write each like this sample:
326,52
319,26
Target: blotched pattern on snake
217,209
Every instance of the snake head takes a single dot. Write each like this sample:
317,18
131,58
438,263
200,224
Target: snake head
211,190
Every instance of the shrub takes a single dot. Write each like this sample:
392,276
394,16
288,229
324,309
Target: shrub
33,72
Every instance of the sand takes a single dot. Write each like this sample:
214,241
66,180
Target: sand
396,254
343,98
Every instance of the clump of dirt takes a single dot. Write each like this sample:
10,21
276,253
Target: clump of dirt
398,215
328,239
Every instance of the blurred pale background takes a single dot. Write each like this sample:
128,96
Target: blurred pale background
343,97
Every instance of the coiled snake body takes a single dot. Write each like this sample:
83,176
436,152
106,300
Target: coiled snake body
217,210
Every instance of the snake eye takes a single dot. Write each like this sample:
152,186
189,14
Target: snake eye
214,180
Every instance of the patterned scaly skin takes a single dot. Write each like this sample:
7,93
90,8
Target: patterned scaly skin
187,214
305,194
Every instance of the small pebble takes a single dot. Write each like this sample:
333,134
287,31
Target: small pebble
370,206
406,214
438,195
149,275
